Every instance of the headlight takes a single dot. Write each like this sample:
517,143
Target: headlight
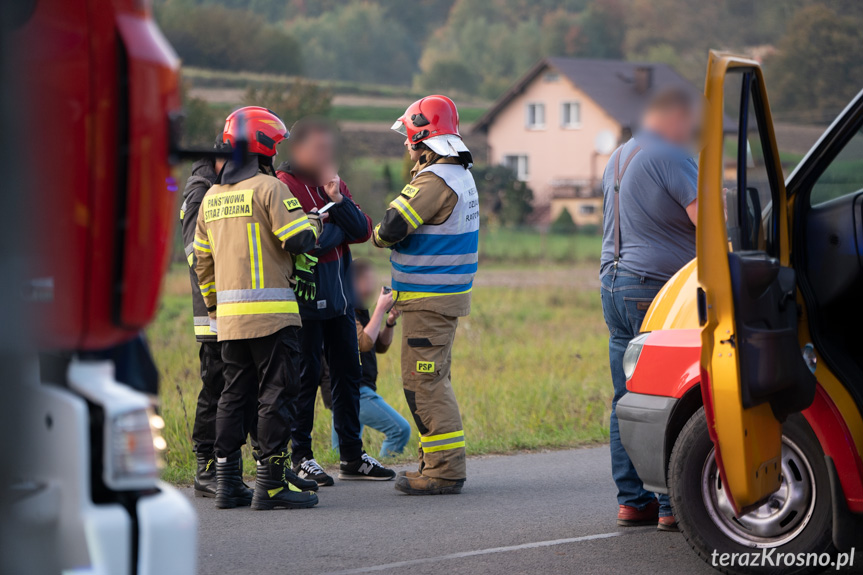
133,449
632,353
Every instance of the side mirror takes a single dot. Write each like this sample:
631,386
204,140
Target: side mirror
178,152
744,219
750,221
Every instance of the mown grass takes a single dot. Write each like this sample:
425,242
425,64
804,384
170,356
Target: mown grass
529,369
526,246
205,77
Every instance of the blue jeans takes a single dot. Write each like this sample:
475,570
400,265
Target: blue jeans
377,414
625,299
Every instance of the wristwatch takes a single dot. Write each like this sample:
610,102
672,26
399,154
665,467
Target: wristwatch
389,325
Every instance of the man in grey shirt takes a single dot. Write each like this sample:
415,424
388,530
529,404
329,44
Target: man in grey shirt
649,208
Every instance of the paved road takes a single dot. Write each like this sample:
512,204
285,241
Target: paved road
540,513
530,514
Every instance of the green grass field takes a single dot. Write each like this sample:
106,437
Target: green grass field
205,77
529,366
526,247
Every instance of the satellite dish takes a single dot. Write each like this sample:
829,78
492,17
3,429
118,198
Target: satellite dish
605,142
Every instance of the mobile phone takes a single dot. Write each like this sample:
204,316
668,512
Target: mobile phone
326,207
388,289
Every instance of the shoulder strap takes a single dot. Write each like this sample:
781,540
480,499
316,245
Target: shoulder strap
618,176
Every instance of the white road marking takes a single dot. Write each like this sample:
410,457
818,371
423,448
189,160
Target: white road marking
464,554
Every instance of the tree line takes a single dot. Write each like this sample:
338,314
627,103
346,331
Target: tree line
479,47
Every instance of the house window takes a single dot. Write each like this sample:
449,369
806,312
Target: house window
570,115
535,116
587,209
518,164
551,77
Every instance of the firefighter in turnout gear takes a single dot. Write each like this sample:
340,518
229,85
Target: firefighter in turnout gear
432,228
249,228
204,173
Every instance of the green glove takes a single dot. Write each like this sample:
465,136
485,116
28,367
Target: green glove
304,275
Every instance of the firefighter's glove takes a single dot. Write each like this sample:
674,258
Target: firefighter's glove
304,274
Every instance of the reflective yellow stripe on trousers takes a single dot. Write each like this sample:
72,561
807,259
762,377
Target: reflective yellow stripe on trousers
442,442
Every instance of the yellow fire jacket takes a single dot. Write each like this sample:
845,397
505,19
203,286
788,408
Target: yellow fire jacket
244,240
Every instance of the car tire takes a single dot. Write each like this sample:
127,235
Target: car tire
798,519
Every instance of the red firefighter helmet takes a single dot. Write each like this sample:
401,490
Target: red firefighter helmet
428,117
260,127
432,120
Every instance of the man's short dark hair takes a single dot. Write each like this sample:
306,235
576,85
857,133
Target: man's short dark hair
304,127
674,98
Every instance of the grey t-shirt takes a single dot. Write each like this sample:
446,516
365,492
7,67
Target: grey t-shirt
657,238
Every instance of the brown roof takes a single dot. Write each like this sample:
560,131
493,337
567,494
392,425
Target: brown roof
609,83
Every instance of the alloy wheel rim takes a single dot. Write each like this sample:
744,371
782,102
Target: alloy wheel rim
780,519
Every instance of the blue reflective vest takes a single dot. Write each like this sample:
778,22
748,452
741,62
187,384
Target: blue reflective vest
441,259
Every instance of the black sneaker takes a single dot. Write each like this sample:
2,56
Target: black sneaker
309,469
366,468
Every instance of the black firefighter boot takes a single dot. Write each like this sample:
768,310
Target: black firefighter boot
231,491
205,475
273,489
291,476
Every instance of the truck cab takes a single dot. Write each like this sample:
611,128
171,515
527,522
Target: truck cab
90,102
744,398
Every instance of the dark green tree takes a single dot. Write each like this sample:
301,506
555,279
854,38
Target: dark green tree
503,198
817,66
213,36
564,224
447,75
356,42
201,123
302,99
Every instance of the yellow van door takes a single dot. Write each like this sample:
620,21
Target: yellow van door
753,373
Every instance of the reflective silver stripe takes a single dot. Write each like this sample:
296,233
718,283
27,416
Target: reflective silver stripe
454,260
189,249
432,279
456,439
265,294
288,230
257,271
202,320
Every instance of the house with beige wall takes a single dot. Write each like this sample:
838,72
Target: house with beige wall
557,126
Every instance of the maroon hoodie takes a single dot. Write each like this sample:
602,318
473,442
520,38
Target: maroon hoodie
347,224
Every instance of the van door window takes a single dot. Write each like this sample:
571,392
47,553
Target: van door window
843,176
751,189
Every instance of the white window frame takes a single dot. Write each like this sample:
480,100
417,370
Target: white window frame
522,165
570,125
527,114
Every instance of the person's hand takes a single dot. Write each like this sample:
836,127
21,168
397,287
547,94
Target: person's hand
333,189
385,300
393,316
323,217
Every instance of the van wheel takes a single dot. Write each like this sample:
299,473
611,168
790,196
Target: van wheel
796,519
